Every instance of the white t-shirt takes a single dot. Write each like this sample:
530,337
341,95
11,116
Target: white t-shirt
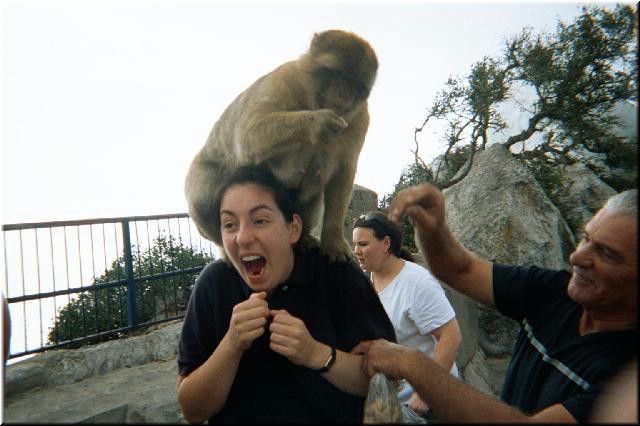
416,305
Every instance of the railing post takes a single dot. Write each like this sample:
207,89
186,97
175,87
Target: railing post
128,275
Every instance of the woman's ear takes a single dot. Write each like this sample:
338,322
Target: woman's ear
295,228
387,243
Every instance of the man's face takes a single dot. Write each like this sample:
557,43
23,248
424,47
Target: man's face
605,276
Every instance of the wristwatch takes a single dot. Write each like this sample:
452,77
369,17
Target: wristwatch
328,363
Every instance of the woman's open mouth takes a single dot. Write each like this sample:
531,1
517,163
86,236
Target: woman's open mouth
254,265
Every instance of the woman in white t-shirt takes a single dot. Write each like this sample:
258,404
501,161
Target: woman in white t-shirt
413,298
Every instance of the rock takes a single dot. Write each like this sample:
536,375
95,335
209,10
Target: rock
141,394
499,212
69,366
116,415
363,200
581,196
132,379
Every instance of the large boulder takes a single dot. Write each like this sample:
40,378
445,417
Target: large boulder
363,200
581,196
499,212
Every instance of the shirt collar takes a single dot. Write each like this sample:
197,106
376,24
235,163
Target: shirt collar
297,277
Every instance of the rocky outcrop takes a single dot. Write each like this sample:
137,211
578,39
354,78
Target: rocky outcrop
581,196
500,212
363,200
128,380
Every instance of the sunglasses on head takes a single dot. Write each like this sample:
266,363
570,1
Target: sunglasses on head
372,217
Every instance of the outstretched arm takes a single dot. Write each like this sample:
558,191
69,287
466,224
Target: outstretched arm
448,260
453,400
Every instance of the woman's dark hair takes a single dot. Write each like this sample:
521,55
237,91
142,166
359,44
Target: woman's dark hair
285,199
383,227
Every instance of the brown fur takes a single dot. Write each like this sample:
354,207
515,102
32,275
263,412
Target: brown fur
305,121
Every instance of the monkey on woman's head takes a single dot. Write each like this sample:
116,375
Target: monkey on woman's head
306,122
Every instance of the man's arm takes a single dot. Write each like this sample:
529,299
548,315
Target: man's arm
449,338
448,260
453,400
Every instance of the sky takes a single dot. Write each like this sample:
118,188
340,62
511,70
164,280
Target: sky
105,103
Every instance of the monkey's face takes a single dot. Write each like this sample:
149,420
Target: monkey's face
338,92
256,237
370,252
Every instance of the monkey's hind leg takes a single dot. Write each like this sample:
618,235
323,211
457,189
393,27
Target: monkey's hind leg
311,209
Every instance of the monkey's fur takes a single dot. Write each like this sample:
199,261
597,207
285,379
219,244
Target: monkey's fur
306,122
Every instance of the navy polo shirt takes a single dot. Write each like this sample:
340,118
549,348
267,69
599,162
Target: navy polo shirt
551,362
339,307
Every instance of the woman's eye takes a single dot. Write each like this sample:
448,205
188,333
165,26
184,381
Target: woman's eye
228,226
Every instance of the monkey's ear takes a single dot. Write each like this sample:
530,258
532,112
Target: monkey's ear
314,42
295,229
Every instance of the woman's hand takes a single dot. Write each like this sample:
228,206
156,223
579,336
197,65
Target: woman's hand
248,320
290,338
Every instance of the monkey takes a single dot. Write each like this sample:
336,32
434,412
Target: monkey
306,122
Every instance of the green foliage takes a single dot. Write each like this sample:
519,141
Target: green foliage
623,157
546,171
574,79
455,159
414,174
579,74
103,309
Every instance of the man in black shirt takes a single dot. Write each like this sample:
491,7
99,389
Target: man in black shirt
577,329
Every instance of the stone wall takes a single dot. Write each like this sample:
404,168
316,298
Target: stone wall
130,380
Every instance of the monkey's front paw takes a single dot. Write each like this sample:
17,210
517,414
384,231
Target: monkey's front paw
336,250
331,121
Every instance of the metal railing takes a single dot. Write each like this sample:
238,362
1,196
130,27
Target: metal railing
73,282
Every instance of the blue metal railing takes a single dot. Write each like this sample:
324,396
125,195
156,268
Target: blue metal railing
73,282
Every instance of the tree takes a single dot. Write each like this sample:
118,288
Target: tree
414,174
105,308
576,77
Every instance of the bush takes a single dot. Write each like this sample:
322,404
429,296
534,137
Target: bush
104,309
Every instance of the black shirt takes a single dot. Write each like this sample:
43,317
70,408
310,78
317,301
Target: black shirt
551,362
339,307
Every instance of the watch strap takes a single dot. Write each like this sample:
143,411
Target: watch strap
328,363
